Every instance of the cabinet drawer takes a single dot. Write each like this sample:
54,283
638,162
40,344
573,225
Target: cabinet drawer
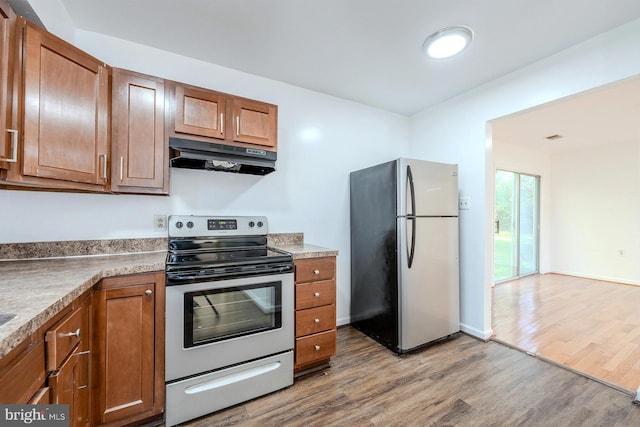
24,378
315,294
62,339
312,269
315,347
314,320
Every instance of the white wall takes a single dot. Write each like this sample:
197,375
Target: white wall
320,140
596,211
456,132
516,158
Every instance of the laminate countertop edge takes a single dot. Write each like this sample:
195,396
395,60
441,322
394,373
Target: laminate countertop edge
304,250
38,289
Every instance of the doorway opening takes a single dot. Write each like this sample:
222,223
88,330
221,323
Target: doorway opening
517,225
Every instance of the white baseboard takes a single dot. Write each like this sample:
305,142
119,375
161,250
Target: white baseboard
483,335
596,277
343,321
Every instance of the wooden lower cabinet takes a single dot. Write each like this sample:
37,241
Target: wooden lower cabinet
67,362
315,280
128,349
22,373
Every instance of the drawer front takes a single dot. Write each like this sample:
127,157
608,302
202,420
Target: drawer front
314,320
24,378
315,294
312,269
63,338
315,347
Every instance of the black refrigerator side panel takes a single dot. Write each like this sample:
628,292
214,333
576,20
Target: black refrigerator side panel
374,267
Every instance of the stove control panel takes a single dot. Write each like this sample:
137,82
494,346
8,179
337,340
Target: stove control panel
204,226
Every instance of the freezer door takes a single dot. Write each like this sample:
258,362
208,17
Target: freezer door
434,185
429,290
374,279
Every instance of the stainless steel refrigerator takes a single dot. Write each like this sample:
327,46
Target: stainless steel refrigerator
404,252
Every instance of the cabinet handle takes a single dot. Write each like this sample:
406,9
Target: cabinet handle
148,292
316,294
237,125
317,348
86,353
14,147
73,334
316,272
121,168
104,165
221,123
316,320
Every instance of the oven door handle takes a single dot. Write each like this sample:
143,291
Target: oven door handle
232,378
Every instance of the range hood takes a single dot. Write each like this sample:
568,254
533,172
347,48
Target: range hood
192,154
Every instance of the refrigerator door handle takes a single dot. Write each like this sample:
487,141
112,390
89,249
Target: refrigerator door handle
411,191
411,251
410,216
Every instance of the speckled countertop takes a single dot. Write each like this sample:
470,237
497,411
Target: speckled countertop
294,244
36,290
38,280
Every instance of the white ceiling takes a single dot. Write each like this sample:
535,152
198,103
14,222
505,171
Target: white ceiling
368,51
605,115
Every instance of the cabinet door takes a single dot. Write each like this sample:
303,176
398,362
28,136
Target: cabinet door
255,122
63,384
8,136
139,163
129,324
199,112
66,116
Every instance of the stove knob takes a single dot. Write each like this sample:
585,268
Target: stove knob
190,224
260,223
179,224
251,224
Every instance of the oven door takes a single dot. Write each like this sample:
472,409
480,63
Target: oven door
215,324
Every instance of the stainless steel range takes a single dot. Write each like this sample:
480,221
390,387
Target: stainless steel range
229,317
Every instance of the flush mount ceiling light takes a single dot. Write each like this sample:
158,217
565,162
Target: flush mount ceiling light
447,42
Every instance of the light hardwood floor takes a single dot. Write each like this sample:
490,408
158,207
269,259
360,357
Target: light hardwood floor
588,325
461,382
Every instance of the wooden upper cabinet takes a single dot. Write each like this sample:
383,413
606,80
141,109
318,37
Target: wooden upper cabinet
218,117
199,112
8,136
66,111
255,122
138,141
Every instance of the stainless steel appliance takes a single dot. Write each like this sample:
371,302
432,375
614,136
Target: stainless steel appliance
229,315
404,252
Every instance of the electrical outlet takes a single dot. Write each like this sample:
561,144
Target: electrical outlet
464,203
159,222
621,252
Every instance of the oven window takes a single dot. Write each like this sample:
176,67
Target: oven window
221,314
